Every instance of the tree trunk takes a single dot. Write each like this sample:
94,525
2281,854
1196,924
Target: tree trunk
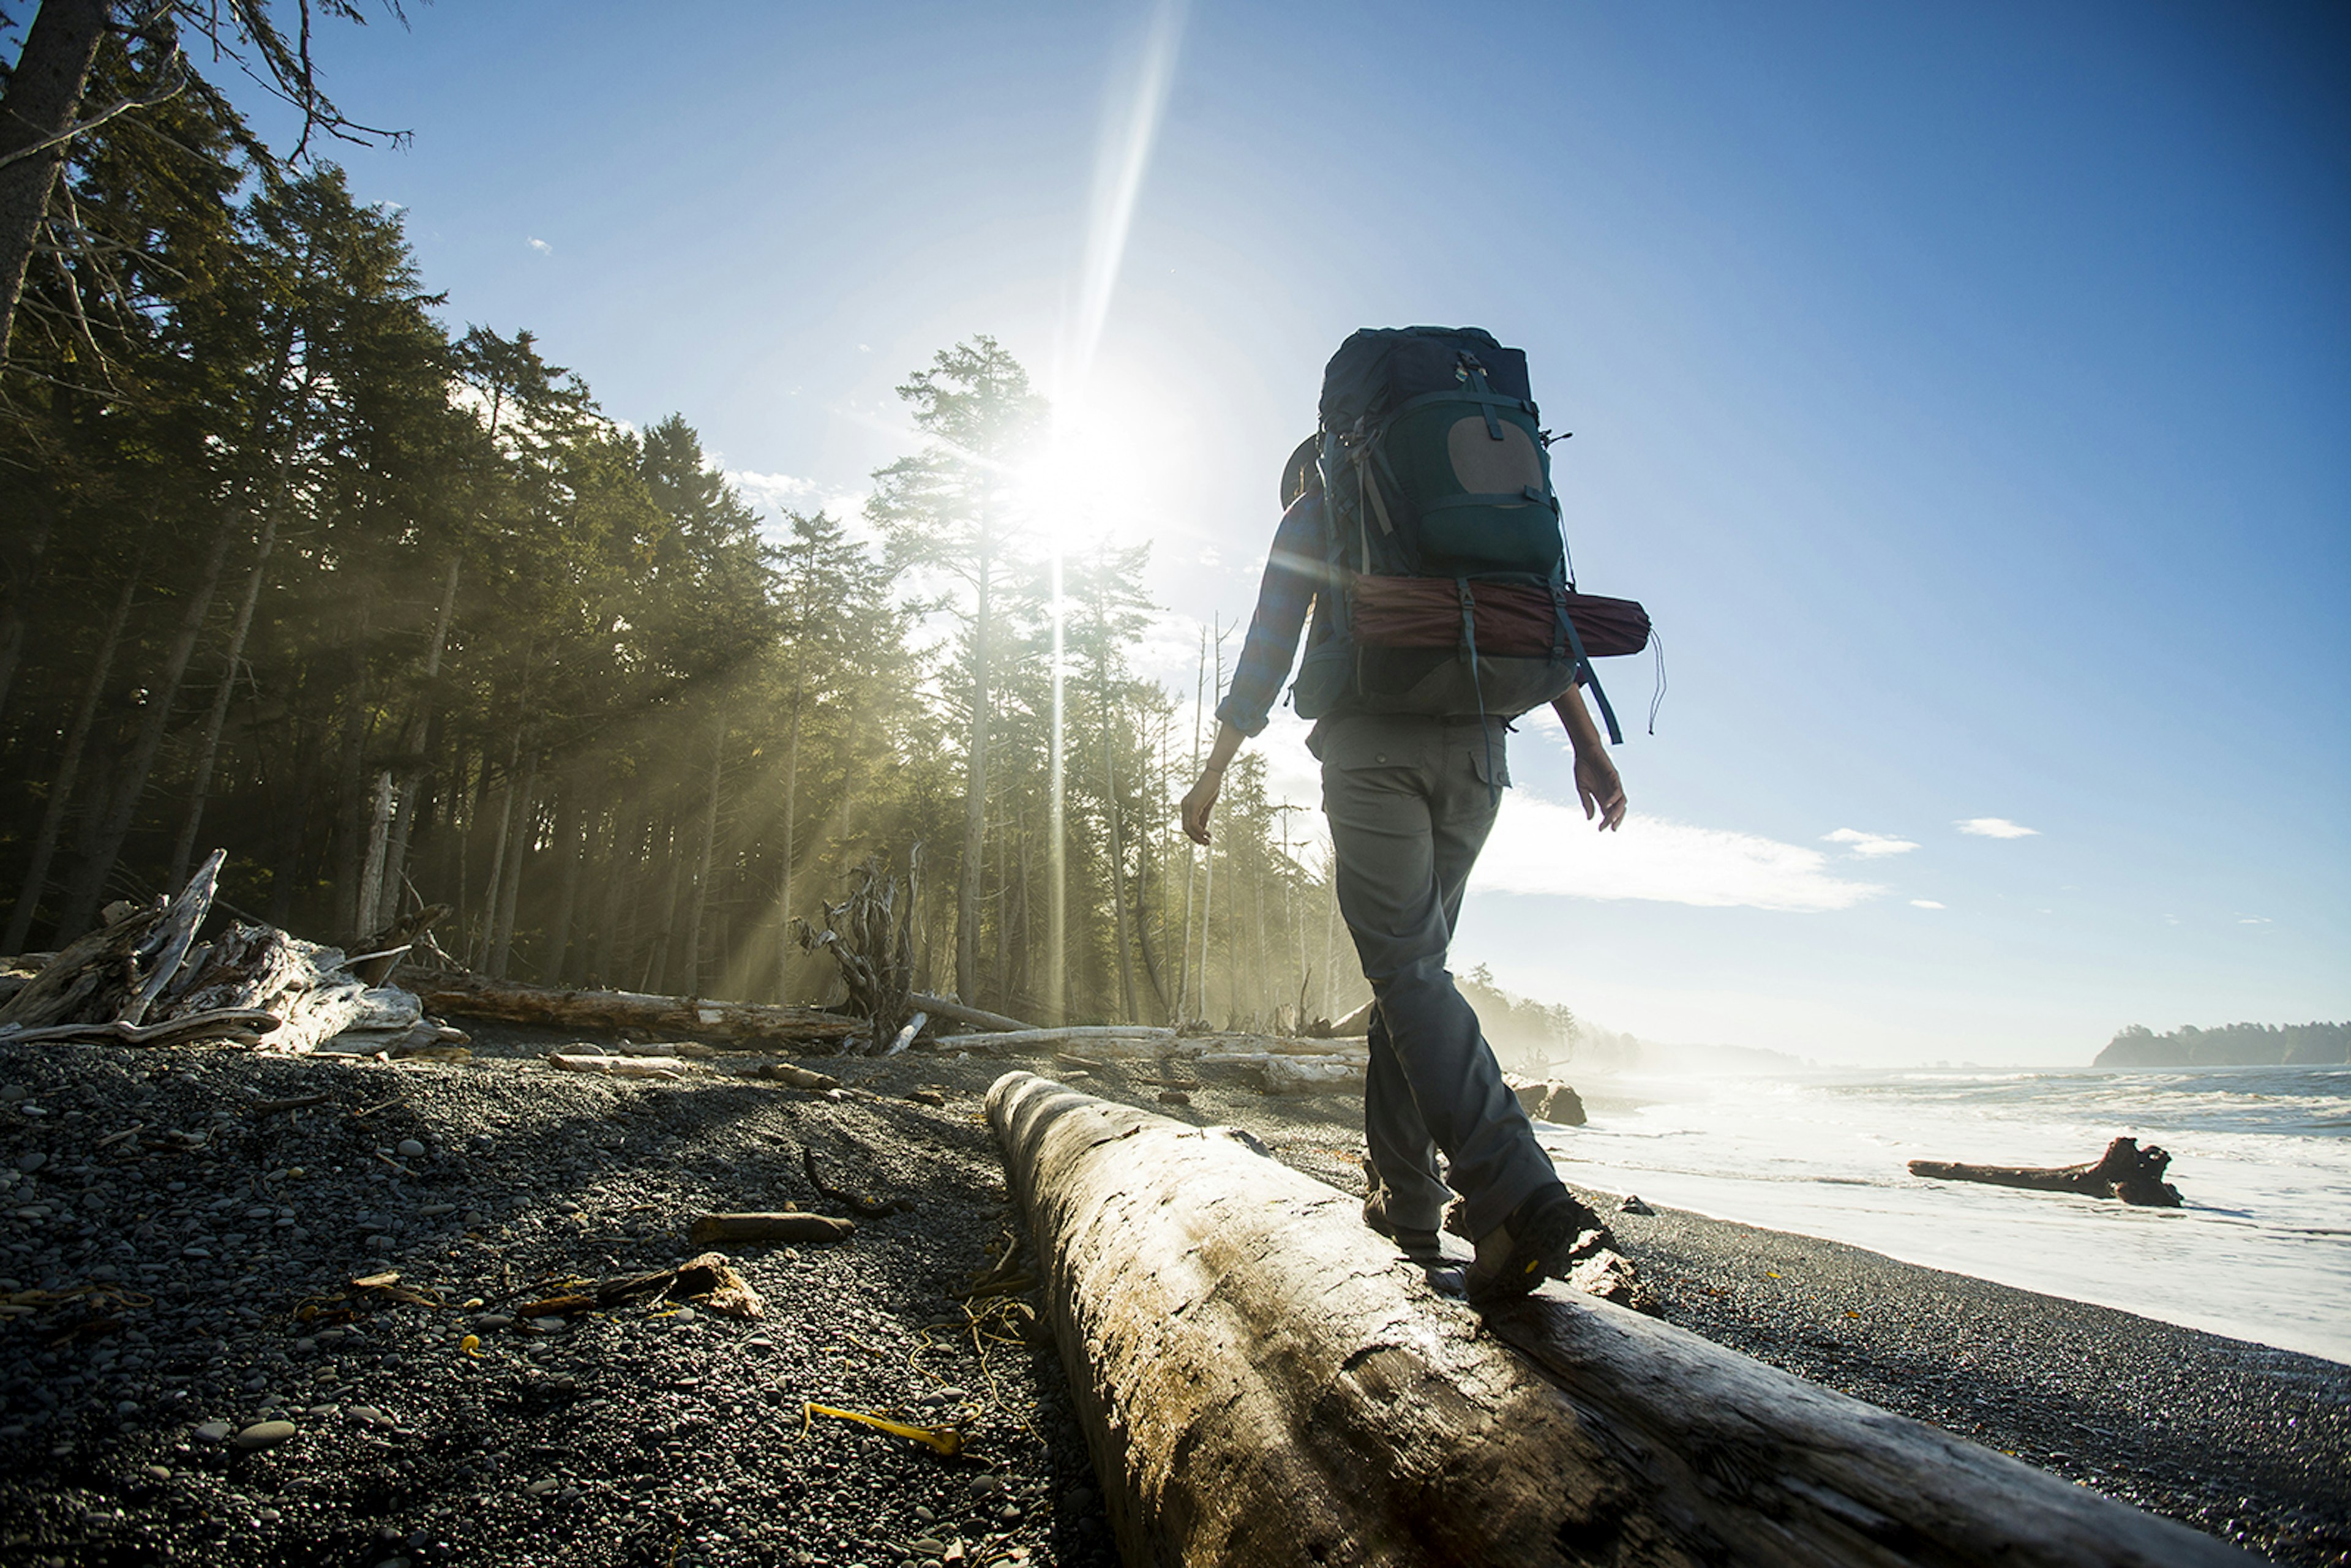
368,915
106,847
208,748
416,743
519,848
1117,860
784,946
486,931
349,844
620,862
975,803
701,905
61,787
43,96
1263,1382
574,831
21,582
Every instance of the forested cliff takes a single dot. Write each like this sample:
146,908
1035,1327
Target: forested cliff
2232,1045
397,613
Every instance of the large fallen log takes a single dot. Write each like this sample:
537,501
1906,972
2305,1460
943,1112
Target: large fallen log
2125,1171
1262,1381
477,996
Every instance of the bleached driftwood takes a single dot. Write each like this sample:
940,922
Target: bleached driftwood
243,1026
616,1066
304,984
1262,1381
1103,1039
906,1036
741,1023
1278,1072
955,1012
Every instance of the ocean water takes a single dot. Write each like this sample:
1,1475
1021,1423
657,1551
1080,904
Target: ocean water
2261,1155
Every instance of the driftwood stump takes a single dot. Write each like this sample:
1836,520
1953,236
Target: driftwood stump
1262,1381
871,935
2125,1171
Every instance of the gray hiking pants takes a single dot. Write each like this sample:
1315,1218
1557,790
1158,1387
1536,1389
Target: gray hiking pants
1410,803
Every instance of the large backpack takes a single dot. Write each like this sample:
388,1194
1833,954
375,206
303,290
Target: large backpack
1446,573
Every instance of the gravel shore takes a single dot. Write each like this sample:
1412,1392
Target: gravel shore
199,1381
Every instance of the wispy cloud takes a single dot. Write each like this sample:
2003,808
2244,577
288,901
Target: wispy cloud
1924,903
1540,847
1995,828
1869,846
542,246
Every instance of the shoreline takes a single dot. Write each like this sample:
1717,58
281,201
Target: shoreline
629,1436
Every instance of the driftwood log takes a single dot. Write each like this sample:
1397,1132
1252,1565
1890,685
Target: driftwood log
955,1012
745,1023
791,1226
2125,1171
1262,1381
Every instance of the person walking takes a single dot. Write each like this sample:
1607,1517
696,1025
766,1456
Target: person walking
1410,797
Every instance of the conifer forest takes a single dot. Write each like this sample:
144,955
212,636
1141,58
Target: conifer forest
392,610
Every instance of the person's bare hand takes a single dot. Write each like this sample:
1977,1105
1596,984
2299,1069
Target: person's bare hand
1597,786
1200,803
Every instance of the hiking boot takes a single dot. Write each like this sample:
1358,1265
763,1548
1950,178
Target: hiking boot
1539,1240
1421,1246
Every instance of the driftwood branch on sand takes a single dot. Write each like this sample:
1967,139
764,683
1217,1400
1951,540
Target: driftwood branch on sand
511,1001
1263,1381
954,1011
2125,1171
143,979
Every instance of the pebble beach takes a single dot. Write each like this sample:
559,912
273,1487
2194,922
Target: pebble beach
190,1373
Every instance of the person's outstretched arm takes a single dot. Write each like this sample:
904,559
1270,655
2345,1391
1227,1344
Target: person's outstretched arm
1596,783
1293,574
1202,798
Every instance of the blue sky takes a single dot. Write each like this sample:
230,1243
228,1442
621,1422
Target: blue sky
1964,389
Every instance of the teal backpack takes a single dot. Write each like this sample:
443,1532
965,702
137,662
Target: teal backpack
1447,582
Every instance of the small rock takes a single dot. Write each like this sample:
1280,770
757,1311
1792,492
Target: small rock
211,1432
159,1472
1079,1499
490,1323
381,1244
194,1252
566,1206
410,1149
31,1161
925,1514
1173,1097
436,1210
926,1545
269,1516
927,1097
11,1093
540,1489
1632,1205
683,1315
264,1435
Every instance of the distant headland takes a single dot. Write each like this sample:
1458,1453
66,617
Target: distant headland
2231,1045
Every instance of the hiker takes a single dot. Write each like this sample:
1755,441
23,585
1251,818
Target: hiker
1419,525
